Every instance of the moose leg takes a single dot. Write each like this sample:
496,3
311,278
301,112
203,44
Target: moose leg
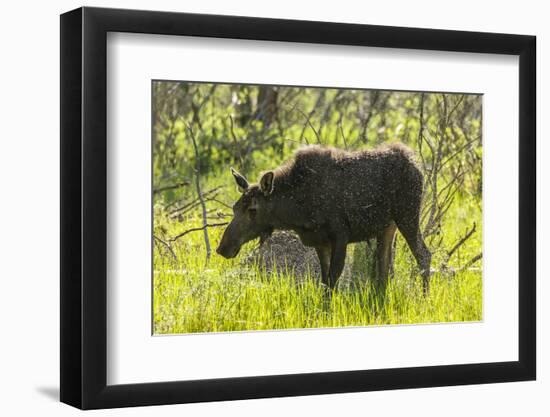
411,232
323,252
392,257
384,252
337,261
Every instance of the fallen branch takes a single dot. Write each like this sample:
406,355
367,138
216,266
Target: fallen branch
196,229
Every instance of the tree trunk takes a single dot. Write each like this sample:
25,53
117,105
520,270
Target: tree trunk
267,104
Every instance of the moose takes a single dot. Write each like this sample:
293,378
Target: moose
330,198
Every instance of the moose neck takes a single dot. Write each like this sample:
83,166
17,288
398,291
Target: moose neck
286,212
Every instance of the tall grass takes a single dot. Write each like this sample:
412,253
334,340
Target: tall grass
193,296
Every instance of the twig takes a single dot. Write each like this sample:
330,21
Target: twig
343,136
374,96
219,216
461,241
473,260
457,103
466,267
196,229
170,187
221,202
197,108
199,192
238,149
462,148
194,206
167,246
328,109
308,123
421,130
179,210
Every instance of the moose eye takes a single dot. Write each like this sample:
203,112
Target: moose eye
252,211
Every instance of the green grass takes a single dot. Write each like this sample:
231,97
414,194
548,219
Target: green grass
191,296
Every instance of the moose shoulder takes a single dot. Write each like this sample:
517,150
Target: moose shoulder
331,198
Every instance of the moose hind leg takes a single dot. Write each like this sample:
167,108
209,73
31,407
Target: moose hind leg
411,232
384,252
424,259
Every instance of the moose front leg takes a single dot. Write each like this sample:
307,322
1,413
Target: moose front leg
337,261
323,252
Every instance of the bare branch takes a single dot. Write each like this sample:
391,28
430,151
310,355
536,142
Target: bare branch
374,96
196,229
461,242
210,193
199,192
197,108
167,245
238,149
170,187
221,202
308,123
343,136
473,260
462,148
458,103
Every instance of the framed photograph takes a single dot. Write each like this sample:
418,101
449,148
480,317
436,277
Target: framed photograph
258,208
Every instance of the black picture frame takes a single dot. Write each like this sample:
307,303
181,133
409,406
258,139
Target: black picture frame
84,207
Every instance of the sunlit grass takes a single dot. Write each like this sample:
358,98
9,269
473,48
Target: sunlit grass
192,296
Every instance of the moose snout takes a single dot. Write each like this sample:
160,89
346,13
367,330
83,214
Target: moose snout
227,248
220,251
227,252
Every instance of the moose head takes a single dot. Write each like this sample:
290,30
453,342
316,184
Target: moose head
251,214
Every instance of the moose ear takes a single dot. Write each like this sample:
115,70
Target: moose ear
266,183
241,181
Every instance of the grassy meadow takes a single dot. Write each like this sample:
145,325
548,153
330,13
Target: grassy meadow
201,130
